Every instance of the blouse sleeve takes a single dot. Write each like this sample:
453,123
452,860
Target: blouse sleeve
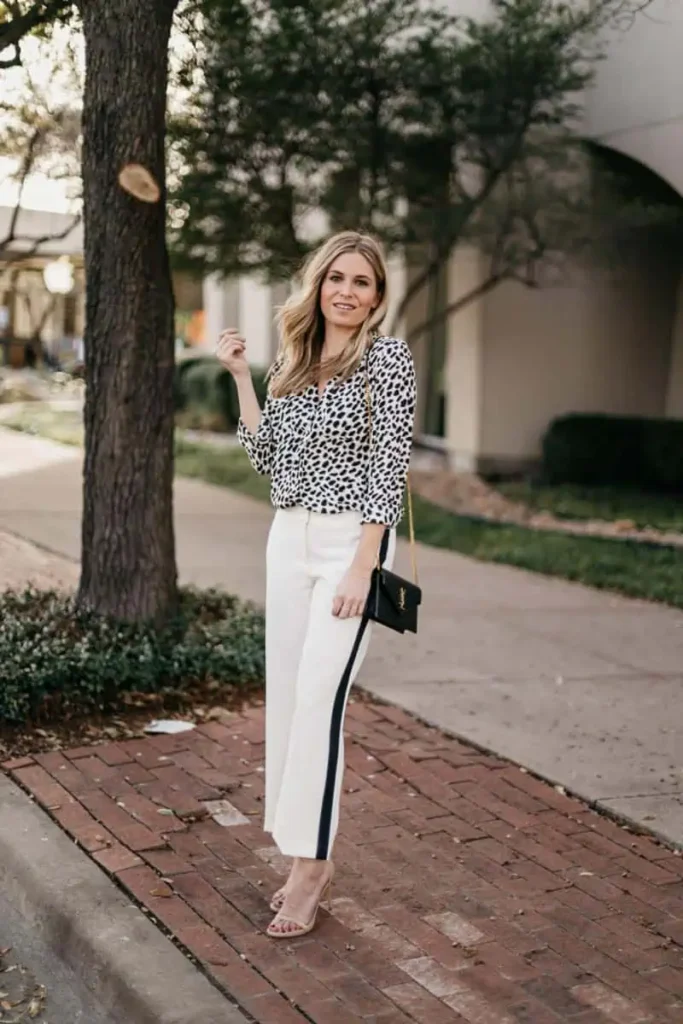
391,374
258,446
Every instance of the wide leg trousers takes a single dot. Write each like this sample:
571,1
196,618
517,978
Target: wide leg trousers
312,659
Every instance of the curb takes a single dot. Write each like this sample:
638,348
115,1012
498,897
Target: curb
132,969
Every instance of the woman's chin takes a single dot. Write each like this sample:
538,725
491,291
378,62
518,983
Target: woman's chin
343,322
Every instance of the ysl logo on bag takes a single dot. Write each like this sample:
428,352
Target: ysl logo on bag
402,599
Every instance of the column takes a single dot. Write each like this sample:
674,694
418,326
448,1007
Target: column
464,363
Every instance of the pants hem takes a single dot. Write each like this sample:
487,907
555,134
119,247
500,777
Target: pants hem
308,851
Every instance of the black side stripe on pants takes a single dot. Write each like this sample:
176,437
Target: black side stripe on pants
325,826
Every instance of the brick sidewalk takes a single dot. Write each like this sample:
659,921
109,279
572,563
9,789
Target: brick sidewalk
466,889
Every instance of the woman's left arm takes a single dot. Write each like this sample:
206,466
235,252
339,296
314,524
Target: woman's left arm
393,396
393,393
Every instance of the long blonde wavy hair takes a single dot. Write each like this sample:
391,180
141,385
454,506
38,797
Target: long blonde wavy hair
302,325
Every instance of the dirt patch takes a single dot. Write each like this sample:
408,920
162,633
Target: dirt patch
468,495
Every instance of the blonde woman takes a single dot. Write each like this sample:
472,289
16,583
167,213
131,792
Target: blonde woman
335,438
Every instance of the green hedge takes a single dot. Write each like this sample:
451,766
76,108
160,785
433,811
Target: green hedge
57,659
618,450
205,394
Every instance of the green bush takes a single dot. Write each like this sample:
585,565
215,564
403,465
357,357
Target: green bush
56,658
618,450
206,396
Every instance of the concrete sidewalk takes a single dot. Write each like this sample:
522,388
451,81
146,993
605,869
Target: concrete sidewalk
579,686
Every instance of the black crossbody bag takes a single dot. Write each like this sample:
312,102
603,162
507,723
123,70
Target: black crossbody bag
393,601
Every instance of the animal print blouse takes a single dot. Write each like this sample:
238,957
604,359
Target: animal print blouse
321,451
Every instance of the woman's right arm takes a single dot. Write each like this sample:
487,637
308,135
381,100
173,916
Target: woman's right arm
253,430
251,413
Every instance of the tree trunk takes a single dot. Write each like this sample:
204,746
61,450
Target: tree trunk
128,546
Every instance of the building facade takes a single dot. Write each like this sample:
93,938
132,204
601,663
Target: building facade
600,340
495,375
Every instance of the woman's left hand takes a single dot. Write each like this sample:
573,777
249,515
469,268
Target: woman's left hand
352,595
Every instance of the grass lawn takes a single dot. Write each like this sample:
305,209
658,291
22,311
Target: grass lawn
650,571
225,467
663,512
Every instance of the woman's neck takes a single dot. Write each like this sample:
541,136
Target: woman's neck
335,341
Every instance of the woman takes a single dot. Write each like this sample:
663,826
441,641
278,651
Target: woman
335,438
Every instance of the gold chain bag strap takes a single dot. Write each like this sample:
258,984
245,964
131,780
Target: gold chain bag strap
393,601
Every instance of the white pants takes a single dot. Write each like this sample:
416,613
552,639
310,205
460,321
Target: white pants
312,659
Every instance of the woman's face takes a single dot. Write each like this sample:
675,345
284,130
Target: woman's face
349,291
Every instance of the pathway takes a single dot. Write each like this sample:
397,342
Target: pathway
467,892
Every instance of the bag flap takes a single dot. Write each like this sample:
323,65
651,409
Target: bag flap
399,592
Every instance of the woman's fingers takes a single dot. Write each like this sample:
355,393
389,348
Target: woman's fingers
231,342
351,598
230,332
230,348
350,608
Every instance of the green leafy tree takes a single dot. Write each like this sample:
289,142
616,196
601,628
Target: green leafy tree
427,128
377,113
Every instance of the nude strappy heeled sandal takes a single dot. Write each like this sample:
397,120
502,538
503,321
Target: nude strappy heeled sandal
300,929
278,900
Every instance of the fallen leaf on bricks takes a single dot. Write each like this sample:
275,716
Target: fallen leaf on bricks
37,1002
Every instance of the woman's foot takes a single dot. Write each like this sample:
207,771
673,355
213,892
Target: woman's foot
307,886
278,899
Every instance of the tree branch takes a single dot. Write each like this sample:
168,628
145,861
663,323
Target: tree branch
471,206
36,243
20,25
26,165
12,237
472,295
12,62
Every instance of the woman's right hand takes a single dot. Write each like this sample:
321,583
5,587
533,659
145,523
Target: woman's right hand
230,351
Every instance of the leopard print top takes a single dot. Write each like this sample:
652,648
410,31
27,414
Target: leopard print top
320,451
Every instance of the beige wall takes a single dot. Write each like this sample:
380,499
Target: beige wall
599,345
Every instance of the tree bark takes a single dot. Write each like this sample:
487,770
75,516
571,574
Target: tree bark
128,546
